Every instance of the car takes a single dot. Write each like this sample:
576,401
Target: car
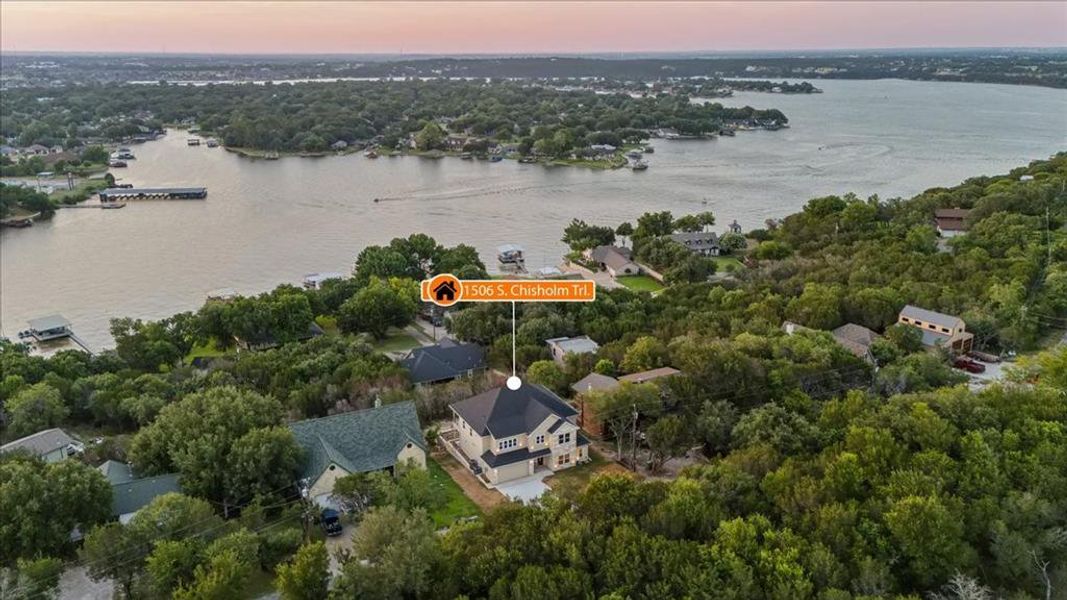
330,520
969,365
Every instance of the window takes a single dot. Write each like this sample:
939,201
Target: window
507,444
932,326
539,439
564,459
564,438
905,319
945,329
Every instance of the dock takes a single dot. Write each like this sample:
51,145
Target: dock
190,193
49,335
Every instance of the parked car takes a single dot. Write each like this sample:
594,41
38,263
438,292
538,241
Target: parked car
330,520
969,365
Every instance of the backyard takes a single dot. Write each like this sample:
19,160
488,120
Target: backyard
455,504
640,283
569,482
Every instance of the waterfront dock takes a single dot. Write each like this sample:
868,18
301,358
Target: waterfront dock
190,193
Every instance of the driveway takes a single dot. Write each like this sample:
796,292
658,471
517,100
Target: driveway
527,489
601,278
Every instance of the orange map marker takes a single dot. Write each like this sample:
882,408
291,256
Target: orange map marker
446,290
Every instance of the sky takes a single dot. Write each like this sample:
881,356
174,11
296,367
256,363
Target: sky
522,27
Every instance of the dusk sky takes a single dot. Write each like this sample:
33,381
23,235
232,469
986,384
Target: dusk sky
516,27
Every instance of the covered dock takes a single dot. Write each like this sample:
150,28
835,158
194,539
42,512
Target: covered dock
176,193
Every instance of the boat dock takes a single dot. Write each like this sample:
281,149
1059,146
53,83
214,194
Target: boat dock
49,335
190,193
106,205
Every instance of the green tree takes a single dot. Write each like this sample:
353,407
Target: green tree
624,230
31,578
306,576
430,137
548,374
668,438
114,553
261,462
379,306
171,564
222,578
646,353
35,408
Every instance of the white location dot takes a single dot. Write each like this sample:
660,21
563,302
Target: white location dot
514,383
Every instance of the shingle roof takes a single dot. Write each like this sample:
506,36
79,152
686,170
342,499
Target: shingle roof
134,495
600,253
594,382
446,360
502,412
644,376
40,443
507,458
855,338
358,441
116,472
696,240
929,316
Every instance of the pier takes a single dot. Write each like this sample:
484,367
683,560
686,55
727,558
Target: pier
191,193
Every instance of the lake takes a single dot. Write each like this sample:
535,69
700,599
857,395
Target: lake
270,222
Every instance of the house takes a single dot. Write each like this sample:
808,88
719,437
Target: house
266,340
698,242
938,330
8,151
36,150
561,347
951,221
857,339
616,261
314,281
130,493
646,376
50,445
444,361
339,145
505,434
362,441
602,149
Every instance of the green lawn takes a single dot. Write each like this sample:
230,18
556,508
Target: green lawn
209,349
457,504
721,263
568,483
640,283
397,342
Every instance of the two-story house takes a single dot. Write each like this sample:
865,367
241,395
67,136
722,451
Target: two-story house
938,329
508,434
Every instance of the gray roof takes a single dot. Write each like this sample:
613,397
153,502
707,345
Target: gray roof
40,443
49,322
600,253
644,376
132,496
929,316
594,382
521,454
358,441
855,338
696,240
503,412
577,345
116,472
445,360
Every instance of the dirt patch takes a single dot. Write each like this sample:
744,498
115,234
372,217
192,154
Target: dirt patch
484,497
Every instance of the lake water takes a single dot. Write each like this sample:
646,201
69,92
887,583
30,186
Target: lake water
269,222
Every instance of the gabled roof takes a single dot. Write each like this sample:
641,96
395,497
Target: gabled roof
503,412
594,382
444,360
358,441
40,443
134,495
696,239
116,472
951,213
856,339
601,253
644,376
929,316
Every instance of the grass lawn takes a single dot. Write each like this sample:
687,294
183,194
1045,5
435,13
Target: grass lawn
722,261
207,350
640,283
457,504
396,342
569,482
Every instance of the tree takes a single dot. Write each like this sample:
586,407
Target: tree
581,236
688,223
645,354
548,374
31,578
732,243
261,462
379,306
431,137
94,154
40,504
306,576
396,554
624,230
115,553
200,435
772,250
667,438
172,564
34,408
651,225
618,408
818,307
222,578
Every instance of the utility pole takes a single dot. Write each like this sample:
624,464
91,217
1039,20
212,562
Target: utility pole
633,442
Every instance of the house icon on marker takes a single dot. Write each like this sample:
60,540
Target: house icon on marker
445,291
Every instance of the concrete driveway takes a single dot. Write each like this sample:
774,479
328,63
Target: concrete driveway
527,489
